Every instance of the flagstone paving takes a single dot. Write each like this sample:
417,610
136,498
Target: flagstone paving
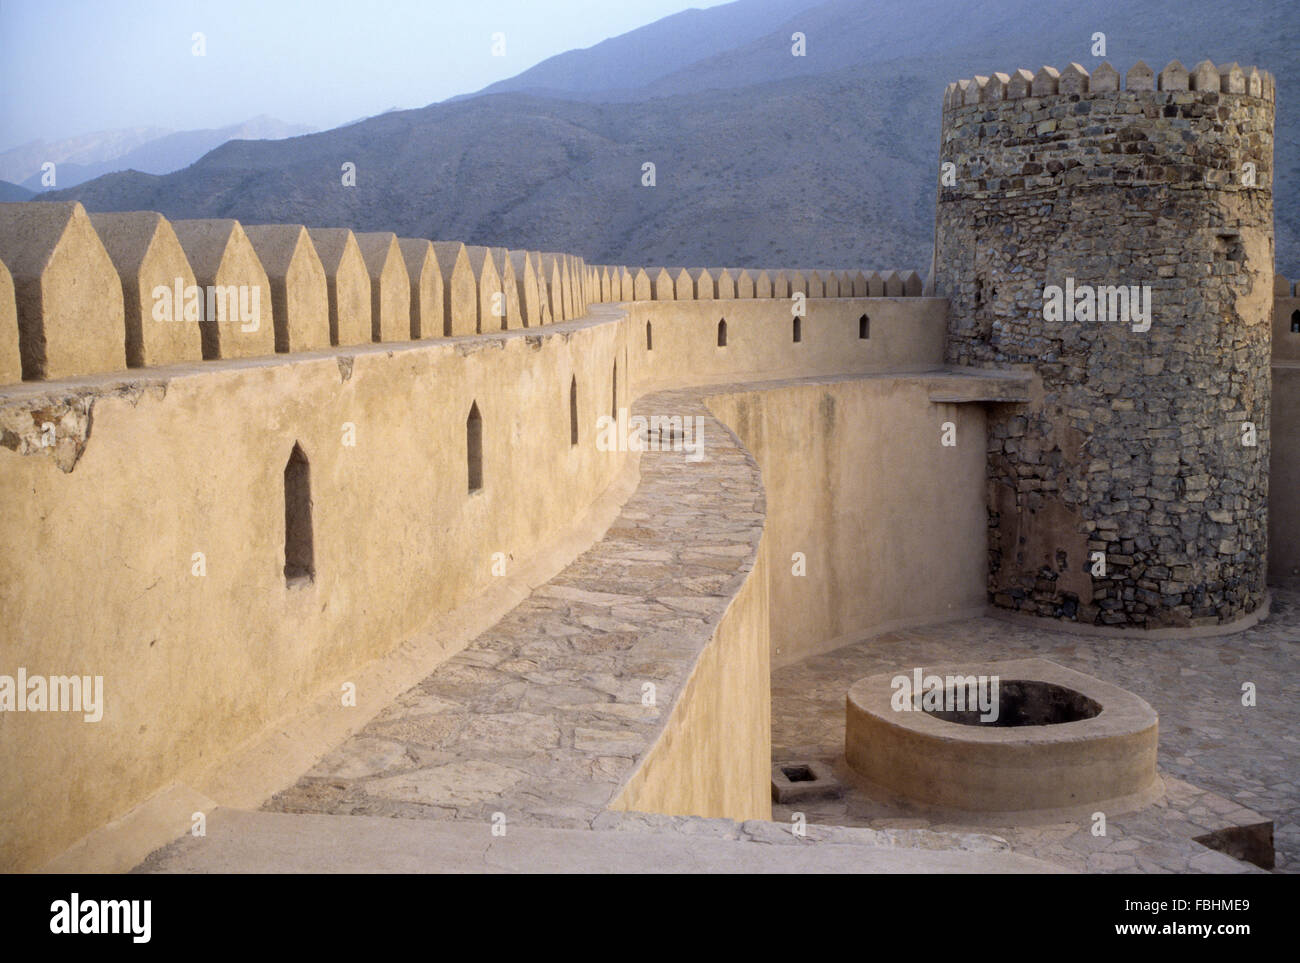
1221,759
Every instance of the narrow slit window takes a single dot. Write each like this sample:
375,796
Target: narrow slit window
573,411
722,333
649,338
798,330
1295,322
864,327
474,448
299,553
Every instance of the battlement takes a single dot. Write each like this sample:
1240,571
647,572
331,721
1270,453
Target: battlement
1075,81
86,293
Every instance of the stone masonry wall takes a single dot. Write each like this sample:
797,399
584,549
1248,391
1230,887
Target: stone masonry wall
1137,445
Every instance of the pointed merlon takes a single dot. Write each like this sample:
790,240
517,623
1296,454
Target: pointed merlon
147,254
974,91
1204,76
390,286
426,287
744,283
1281,286
1105,79
221,255
912,285
300,299
1073,80
995,89
459,290
1140,77
11,359
1254,83
1046,81
1021,84
1232,80
347,282
1174,77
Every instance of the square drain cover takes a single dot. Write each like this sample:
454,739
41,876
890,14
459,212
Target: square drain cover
803,779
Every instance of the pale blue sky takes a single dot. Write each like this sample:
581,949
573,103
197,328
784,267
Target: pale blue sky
69,67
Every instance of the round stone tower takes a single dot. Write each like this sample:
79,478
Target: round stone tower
1116,240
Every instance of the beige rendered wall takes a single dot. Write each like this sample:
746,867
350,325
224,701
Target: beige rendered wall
714,757
190,459
891,523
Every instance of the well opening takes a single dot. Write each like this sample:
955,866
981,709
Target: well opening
1021,702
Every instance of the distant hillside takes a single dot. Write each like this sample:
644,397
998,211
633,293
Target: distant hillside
761,157
12,192
163,152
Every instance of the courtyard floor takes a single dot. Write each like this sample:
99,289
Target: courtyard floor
1222,762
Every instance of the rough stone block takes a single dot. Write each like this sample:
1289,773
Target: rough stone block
238,322
148,257
426,287
390,286
66,291
300,298
347,284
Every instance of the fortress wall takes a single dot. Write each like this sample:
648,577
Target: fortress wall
1135,448
891,524
192,459
1284,454
905,334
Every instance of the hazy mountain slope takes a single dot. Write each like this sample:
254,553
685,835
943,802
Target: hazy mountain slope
818,167
169,152
12,192
618,67
19,163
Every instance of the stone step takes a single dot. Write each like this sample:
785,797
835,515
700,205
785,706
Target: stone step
241,841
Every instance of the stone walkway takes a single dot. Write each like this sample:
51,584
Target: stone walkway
1220,758
541,718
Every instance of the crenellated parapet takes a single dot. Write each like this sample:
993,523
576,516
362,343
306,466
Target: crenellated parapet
1076,81
85,294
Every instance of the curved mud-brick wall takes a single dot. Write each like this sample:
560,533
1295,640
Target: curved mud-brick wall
1135,448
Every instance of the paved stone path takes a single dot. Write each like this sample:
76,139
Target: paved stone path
1245,757
541,718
